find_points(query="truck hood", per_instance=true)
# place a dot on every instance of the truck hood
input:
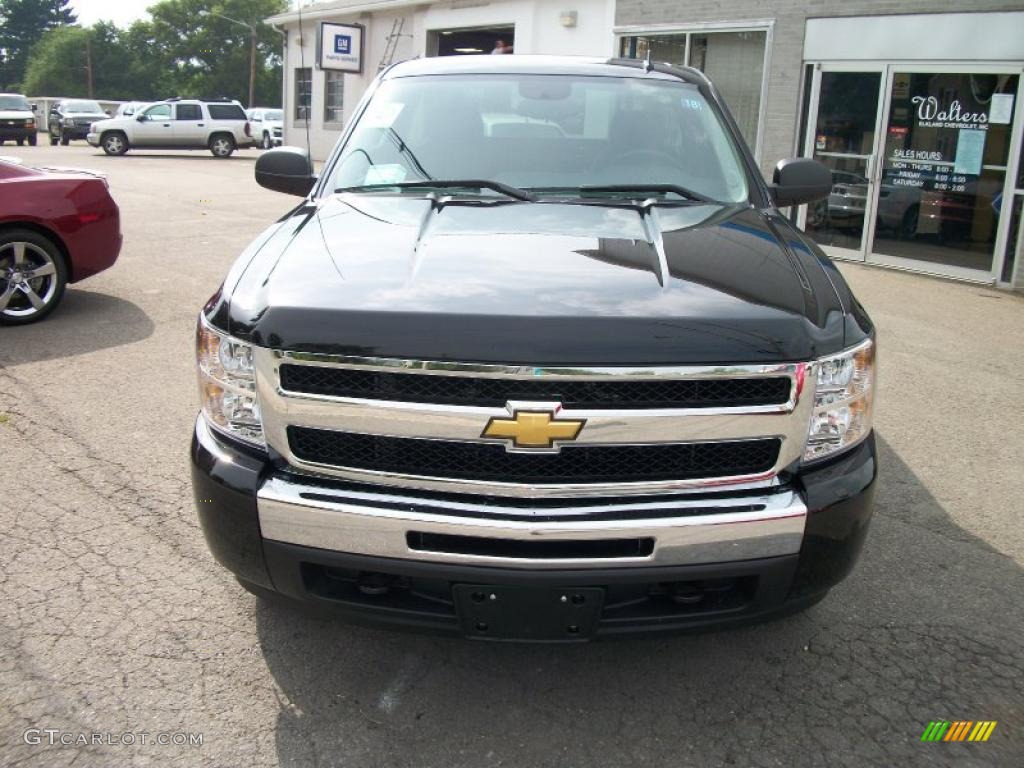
(111, 122)
(16, 114)
(533, 283)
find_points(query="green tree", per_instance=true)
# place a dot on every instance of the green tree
(22, 24)
(209, 55)
(122, 63)
(56, 65)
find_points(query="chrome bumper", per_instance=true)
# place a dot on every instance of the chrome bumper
(685, 531)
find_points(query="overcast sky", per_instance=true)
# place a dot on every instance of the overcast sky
(121, 12)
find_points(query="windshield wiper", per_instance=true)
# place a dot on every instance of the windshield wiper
(497, 186)
(683, 192)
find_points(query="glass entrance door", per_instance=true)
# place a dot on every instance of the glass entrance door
(943, 170)
(844, 115)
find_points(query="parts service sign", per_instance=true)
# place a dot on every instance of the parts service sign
(341, 47)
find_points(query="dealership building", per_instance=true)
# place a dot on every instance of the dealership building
(916, 111)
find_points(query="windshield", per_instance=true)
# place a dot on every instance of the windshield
(554, 133)
(83, 106)
(14, 102)
(272, 114)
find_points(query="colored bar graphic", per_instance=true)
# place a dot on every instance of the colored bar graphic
(958, 730)
(935, 730)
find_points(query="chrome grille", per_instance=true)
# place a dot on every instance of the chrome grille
(606, 393)
(475, 461)
(420, 424)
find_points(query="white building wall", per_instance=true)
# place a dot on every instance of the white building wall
(538, 30)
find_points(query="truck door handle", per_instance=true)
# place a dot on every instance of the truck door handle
(167, 125)
(199, 125)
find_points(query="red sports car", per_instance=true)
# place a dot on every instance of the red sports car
(56, 227)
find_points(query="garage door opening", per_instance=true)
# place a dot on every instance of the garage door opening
(467, 42)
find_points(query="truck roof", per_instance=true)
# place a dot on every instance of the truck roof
(546, 65)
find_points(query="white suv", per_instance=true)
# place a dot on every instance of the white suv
(267, 126)
(219, 126)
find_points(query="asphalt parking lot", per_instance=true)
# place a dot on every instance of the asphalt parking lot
(114, 618)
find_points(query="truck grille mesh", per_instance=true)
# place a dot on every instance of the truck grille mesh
(595, 394)
(574, 464)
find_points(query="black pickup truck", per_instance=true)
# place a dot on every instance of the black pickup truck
(537, 357)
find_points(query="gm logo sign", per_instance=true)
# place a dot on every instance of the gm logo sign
(343, 44)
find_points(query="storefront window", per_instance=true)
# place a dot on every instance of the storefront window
(733, 60)
(303, 92)
(844, 140)
(334, 92)
(944, 166)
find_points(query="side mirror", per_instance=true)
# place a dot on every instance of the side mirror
(800, 180)
(35, 107)
(286, 169)
(106, 112)
(141, 118)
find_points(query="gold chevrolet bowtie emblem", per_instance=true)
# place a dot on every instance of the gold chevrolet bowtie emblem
(533, 429)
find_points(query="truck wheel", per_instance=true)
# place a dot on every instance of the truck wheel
(64, 139)
(32, 276)
(114, 143)
(222, 145)
(53, 140)
(21, 142)
(32, 140)
(908, 225)
(267, 143)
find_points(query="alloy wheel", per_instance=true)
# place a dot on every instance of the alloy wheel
(28, 280)
(113, 144)
(221, 147)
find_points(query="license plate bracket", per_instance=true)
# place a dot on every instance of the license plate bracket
(547, 614)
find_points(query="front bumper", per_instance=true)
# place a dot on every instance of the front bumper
(76, 132)
(661, 563)
(11, 132)
(93, 139)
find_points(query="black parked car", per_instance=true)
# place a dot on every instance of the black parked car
(537, 357)
(72, 119)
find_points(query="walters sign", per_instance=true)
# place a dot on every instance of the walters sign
(931, 114)
(941, 124)
(341, 47)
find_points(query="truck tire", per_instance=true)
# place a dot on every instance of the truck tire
(26, 300)
(267, 142)
(53, 140)
(64, 139)
(32, 140)
(908, 224)
(114, 143)
(222, 145)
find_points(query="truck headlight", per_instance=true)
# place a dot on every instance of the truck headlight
(227, 385)
(843, 400)
(68, 122)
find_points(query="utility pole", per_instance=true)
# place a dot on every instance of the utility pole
(252, 68)
(88, 64)
(253, 40)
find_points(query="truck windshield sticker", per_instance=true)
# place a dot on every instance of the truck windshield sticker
(392, 173)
